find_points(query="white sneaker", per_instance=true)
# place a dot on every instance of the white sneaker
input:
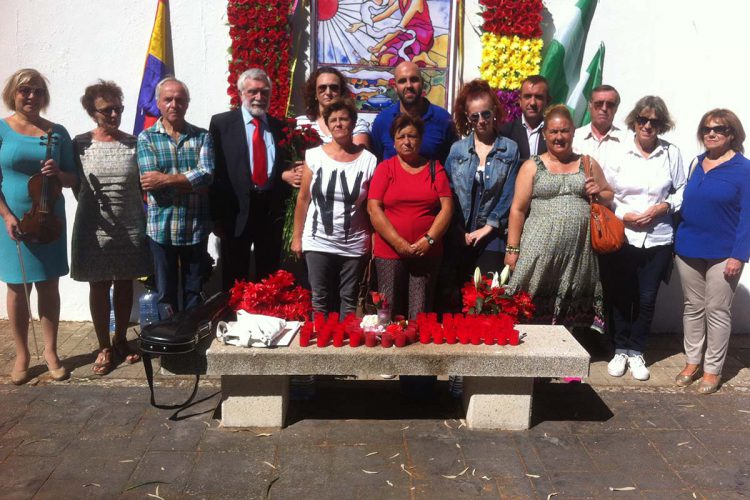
(617, 366)
(638, 367)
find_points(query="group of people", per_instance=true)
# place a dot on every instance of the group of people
(407, 194)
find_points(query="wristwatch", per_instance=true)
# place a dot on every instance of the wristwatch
(429, 239)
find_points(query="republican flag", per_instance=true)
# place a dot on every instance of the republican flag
(159, 63)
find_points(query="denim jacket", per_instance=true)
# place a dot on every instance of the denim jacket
(499, 181)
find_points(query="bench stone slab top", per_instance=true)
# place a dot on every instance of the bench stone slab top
(545, 351)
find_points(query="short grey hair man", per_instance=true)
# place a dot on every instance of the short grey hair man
(166, 80)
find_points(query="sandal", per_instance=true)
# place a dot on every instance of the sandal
(124, 352)
(103, 364)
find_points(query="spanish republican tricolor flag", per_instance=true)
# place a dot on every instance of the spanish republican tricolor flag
(159, 63)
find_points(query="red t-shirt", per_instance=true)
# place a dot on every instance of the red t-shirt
(410, 201)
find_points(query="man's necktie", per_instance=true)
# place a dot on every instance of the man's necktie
(260, 161)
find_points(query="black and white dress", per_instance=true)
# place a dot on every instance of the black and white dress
(109, 232)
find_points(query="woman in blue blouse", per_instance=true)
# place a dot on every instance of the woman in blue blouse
(21, 156)
(482, 169)
(712, 245)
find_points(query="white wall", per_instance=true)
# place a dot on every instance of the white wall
(686, 51)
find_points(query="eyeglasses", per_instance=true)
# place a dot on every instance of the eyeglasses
(26, 91)
(655, 122)
(264, 91)
(110, 109)
(718, 129)
(486, 115)
(603, 104)
(335, 88)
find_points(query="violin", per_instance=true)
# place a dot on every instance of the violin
(40, 224)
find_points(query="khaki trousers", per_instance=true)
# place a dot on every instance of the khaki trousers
(707, 319)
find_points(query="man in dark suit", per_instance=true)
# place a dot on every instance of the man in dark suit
(526, 131)
(251, 182)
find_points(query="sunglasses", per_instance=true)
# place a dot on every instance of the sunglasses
(718, 130)
(26, 91)
(110, 109)
(603, 104)
(486, 115)
(333, 87)
(655, 122)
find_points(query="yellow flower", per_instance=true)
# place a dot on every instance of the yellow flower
(507, 61)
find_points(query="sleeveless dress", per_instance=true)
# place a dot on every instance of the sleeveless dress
(109, 232)
(20, 158)
(557, 265)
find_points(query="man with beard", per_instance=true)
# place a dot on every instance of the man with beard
(526, 131)
(251, 183)
(176, 163)
(601, 139)
(439, 130)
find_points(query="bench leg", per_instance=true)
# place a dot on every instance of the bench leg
(254, 400)
(498, 402)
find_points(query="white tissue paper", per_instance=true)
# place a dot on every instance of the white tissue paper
(256, 330)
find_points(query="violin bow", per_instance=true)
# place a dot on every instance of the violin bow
(27, 296)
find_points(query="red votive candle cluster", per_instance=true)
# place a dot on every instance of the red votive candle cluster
(455, 328)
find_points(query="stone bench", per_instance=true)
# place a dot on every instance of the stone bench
(498, 380)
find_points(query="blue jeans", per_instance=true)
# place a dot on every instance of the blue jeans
(189, 261)
(632, 278)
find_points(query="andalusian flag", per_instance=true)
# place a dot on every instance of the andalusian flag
(579, 97)
(561, 64)
(159, 63)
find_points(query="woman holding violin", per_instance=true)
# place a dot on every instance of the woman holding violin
(36, 160)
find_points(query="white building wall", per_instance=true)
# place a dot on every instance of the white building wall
(687, 51)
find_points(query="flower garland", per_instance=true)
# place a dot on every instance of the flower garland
(276, 295)
(254, 27)
(511, 47)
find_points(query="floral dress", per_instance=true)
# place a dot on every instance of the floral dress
(557, 265)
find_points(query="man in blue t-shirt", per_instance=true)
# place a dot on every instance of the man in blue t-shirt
(439, 130)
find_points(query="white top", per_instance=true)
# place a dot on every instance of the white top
(640, 182)
(532, 135)
(361, 127)
(337, 220)
(605, 151)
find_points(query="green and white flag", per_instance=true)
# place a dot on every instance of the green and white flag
(579, 96)
(562, 60)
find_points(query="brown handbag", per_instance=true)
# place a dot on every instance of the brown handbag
(607, 231)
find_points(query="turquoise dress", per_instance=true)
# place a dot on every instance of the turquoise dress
(20, 158)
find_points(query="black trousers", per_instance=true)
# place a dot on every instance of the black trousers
(262, 233)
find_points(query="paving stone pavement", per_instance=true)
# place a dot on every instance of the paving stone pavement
(606, 438)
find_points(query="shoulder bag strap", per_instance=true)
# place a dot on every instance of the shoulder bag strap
(432, 171)
(587, 171)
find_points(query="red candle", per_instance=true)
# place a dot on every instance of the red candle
(514, 338)
(400, 340)
(489, 339)
(450, 336)
(424, 336)
(304, 339)
(338, 339)
(386, 340)
(502, 339)
(438, 337)
(355, 338)
(411, 335)
(475, 340)
(371, 339)
(322, 339)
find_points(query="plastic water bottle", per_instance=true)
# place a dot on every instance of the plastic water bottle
(148, 307)
(111, 310)
(302, 387)
(456, 386)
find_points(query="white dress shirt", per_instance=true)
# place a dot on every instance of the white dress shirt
(604, 151)
(640, 182)
(532, 134)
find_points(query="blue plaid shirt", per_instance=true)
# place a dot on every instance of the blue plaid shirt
(176, 217)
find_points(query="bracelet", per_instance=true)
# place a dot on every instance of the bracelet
(512, 249)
